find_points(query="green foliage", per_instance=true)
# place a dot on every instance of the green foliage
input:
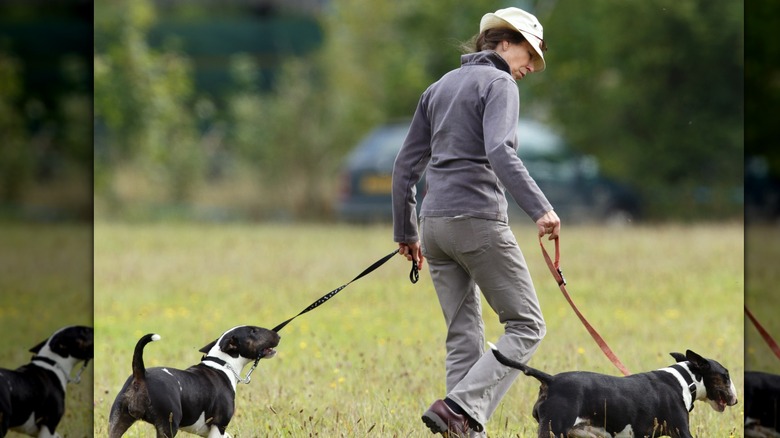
(75, 113)
(762, 50)
(45, 112)
(652, 82)
(321, 105)
(16, 158)
(630, 82)
(367, 71)
(144, 99)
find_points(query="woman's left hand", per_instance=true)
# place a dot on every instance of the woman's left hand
(550, 224)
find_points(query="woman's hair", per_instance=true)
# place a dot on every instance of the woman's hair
(490, 38)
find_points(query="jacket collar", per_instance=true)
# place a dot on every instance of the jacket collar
(485, 57)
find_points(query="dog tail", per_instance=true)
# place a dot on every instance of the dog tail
(528, 371)
(139, 371)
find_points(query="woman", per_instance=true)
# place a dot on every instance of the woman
(464, 133)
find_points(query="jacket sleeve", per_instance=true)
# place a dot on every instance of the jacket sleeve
(502, 110)
(410, 163)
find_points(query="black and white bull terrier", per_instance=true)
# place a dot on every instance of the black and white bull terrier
(200, 399)
(32, 397)
(656, 403)
(762, 405)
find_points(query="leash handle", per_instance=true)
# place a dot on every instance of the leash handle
(414, 274)
(764, 334)
(555, 269)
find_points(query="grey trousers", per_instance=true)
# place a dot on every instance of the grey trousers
(466, 255)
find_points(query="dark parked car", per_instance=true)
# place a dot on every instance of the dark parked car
(762, 191)
(571, 182)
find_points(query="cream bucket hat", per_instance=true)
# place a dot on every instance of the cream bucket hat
(523, 22)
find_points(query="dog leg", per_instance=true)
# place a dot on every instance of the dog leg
(119, 421)
(547, 431)
(46, 433)
(116, 430)
(215, 433)
(165, 432)
(167, 427)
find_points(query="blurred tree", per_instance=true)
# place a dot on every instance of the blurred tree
(762, 85)
(45, 90)
(665, 89)
(16, 157)
(654, 89)
(632, 82)
(143, 97)
(76, 133)
(368, 70)
(762, 81)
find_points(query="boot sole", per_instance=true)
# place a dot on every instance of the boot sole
(435, 423)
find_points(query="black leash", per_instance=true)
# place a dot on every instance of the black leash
(414, 275)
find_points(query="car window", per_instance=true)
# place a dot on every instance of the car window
(544, 153)
(379, 149)
(535, 140)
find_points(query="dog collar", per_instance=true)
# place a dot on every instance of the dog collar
(223, 363)
(59, 368)
(686, 374)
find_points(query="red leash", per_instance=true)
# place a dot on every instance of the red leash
(764, 334)
(556, 272)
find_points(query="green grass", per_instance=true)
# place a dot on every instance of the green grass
(371, 360)
(45, 284)
(761, 296)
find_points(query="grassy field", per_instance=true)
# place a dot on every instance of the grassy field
(370, 361)
(761, 297)
(45, 284)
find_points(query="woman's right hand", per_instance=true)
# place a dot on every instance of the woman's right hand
(412, 251)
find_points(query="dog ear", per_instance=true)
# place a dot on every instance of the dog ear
(230, 346)
(208, 346)
(679, 357)
(697, 360)
(38, 347)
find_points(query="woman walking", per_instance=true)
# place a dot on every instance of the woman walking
(464, 132)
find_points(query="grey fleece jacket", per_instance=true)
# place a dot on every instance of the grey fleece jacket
(464, 132)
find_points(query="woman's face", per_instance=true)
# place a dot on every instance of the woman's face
(519, 57)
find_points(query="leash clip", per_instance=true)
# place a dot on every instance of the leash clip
(248, 377)
(554, 266)
(414, 274)
(563, 279)
(77, 379)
